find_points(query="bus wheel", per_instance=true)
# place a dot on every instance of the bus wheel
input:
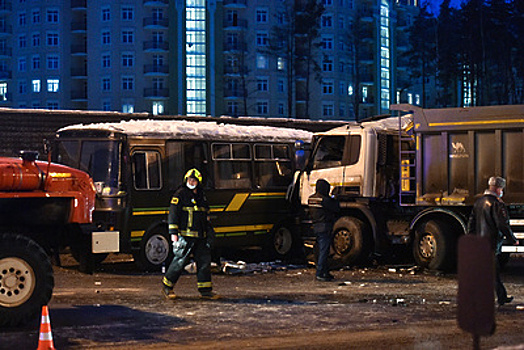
(282, 242)
(433, 245)
(155, 250)
(349, 241)
(26, 279)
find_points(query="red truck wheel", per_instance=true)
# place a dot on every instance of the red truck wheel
(26, 279)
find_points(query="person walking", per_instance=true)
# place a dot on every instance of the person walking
(323, 209)
(489, 218)
(191, 234)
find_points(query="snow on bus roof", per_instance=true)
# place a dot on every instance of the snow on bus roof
(197, 130)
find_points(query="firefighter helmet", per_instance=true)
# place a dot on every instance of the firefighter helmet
(194, 173)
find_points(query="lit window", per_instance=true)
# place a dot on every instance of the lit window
(281, 63)
(261, 62)
(53, 85)
(36, 85)
(128, 107)
(3, 91)
(158, 107)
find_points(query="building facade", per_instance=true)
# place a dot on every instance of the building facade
(205, 57)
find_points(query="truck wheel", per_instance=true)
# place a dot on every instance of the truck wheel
(350, 241)
(434, 245)
(282, 242)
(26, 279)
(156, 249)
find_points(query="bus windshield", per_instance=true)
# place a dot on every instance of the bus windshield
(101, 159)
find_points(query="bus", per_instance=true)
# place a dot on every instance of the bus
(136, 166)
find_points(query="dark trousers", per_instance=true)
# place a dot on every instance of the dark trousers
(500, 290)
(201, 251)
(324, 239)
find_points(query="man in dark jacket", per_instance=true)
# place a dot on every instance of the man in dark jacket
(489, 218)
(189, 229)
(323, 209)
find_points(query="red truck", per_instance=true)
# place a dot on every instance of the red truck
(43, 207)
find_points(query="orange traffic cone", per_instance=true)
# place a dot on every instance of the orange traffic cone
(45, 342)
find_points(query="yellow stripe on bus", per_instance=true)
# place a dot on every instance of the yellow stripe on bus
(237, 202)
(268, 194)
(266, 227)
(150, 212)
(137, 233)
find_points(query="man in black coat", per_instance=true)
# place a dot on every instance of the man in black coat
(323, 209)
(489, 218)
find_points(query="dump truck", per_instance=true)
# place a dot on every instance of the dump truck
(43, 208)
(410, 180)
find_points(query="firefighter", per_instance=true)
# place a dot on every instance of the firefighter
(191, 233)
(489, 218)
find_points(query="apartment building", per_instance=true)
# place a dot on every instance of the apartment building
(202, 57)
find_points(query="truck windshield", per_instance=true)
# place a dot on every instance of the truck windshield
(100, 159)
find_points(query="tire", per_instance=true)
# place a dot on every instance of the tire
(351, 242)
(282, 242)
(434, 245)
(156, 250)
(26, 279)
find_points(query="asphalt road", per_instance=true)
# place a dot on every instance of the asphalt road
(394, 307)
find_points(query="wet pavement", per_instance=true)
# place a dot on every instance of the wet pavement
(265, 306)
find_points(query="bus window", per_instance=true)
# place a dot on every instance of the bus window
(329, 152)
(146, 170)
(272, 166)
(185, 155)
(68, 153)
(232, 165)
(101, 159)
